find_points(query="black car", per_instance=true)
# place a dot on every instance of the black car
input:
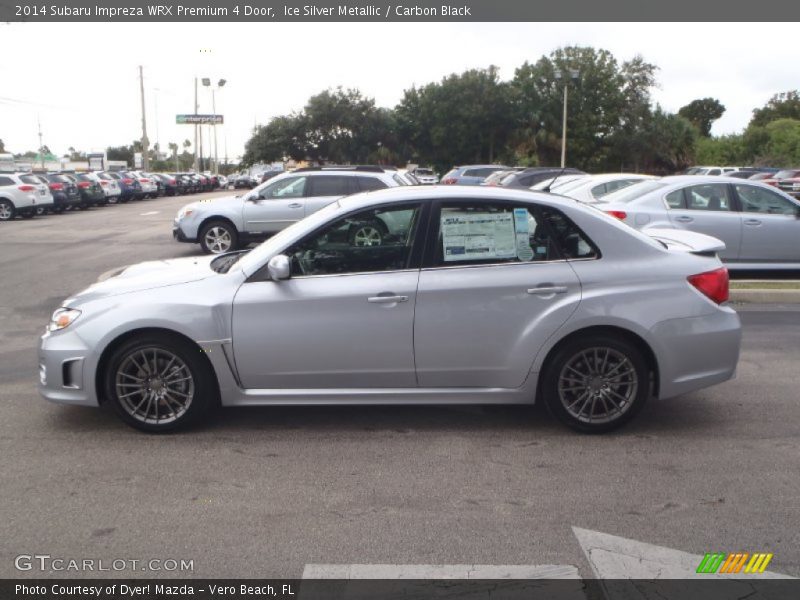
(129, 186)
(91, 191)
(533, 175)
(167, 184)
(65, 191)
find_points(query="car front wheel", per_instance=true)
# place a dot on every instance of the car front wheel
(159, 383)
(218, 237)
(596, 384)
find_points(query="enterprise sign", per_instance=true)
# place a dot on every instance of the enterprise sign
(198, 119)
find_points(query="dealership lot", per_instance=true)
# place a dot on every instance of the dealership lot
(266, 492)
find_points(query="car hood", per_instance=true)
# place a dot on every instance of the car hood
(145, 276)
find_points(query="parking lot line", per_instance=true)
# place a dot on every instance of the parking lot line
(151, 212)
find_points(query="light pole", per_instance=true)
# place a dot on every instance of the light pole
(559, 75)
(220, 84)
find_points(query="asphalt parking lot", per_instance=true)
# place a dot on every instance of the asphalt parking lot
(264, 492)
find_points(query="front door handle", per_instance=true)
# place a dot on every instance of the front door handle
(295, 205)
(684, 219)
(546, 290)
(387, 299)
(752, 222)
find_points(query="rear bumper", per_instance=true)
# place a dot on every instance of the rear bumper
(696, 352)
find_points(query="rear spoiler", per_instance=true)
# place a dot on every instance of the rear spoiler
(686, 241)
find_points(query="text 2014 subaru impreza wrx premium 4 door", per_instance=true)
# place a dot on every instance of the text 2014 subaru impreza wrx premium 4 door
(462, 295)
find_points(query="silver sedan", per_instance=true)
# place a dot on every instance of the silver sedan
(759, 224)
(407, 296)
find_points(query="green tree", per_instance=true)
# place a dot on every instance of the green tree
(785, 105)
(120, 153)
(608, 105)
(702, 113)
(783, 145)
(670, 143)
(722, 150)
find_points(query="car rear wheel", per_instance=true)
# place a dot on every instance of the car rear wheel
(596, 383)
(7, 210)
(218, 237)
(159, 383)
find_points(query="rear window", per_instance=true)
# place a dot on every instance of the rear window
(368, 184)
(60, 178)
(483, 172)
(30, 179)
(632, 192)
(399, 180)
(788, 173)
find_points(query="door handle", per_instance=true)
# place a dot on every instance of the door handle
(752, 222)
(295, 205)
(551, 289)
(387, 299)
(684, 219)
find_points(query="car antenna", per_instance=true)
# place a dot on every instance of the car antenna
(553, 180)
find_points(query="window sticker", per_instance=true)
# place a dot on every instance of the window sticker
(522, 230)
(478, 236)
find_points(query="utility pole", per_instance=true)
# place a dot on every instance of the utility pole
(214, 110)
(41, 146)
(194, 165)
(564, 130)
(145, 143)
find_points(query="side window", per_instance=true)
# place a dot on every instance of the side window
(377, 239)
(368, 184)
(291, 187)
(489, 233)
(675, 199)
(6, 181)
(714, 172)
(755, 199)
(570, 240)
(599, 190)
(710, 196)
(329, 185)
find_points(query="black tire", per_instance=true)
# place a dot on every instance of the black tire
(27, 214)
(596, 383)
(147, 407)
(367, 233)
(83, 206)
(7, 210)
(218, 230)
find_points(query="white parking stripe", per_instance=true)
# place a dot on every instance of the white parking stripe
(389, 571)
(147, 214)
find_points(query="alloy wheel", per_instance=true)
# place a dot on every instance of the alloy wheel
(6, 211)
(367, 236)
(218, 240)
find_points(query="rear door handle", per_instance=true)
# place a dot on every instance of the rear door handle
(752, 222)
(551, 289)
(684, 219)
(295, 205)
(387, 299)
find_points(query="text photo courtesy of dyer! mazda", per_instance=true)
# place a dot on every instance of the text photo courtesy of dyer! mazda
(411, 295)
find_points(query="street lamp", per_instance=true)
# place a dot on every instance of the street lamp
(220, 84)
(573, 74)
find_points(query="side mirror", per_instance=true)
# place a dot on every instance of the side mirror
(279, 267)
(252, 198)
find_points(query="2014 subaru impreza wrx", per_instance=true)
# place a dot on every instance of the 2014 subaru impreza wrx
(407, 296)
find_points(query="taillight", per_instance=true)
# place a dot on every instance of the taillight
(713, 284)
(172, 182)
(145, 180)
(83, 184)
(26, 188)
(619, 214)
(127, 181)
(57, 187)
(449, 181)
(103, 182)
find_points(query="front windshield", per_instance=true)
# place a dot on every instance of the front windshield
(632, 192)
(253, 260)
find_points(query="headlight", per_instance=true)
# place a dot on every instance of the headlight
(184, 212)
(63, 317)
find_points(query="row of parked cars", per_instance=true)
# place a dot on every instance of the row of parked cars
(29, 194)
(758, 221)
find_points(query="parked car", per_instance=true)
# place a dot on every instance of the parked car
(167, 183)
(470, 174)
(66, 194)
(109, 186)
(226, 224)
(780, 176)
(759, 225)
(533, 175)
(21, 194)
(425, 176)
(130, 188)
(594, 187)
(551, 184)
(148, 188)
(468, 296)
(91, 191)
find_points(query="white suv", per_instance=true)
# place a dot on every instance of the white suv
(225, 224)
(22, 194)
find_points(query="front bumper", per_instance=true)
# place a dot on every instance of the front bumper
(696, 352)
(66, 369)
(179, 235)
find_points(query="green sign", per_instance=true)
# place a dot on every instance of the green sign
(198, 119)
